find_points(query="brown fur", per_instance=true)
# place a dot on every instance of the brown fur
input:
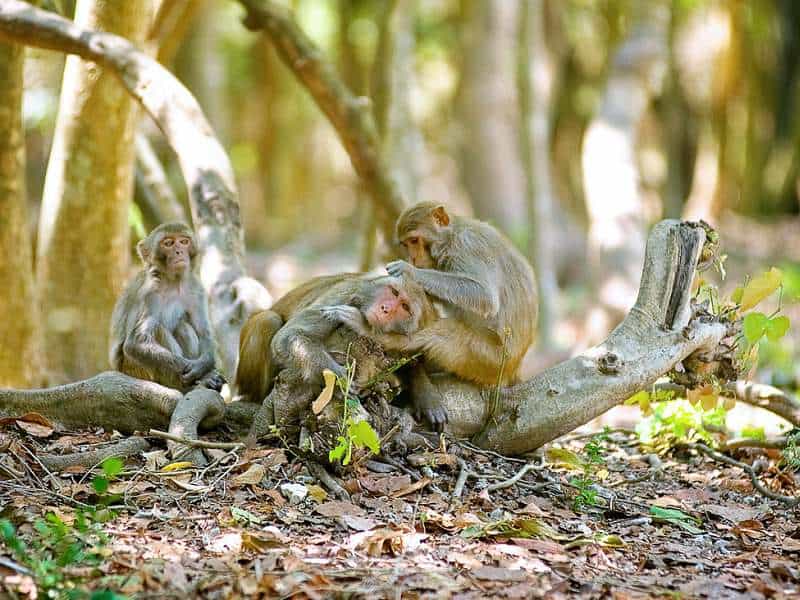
(485, 286)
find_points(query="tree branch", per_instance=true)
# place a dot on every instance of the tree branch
(350, 115)
(205, 165)
(655, 335)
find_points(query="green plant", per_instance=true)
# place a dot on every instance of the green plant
(587, 495)
(791, 453)
(56, 549)
(353, 434)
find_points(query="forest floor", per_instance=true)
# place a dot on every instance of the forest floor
(593, 517)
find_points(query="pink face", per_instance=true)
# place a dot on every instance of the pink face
(176, 250)
(392, 311)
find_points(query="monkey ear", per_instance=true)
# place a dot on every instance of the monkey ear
(440, 216)
(143, 251)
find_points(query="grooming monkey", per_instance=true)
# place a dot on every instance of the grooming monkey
(488, 293)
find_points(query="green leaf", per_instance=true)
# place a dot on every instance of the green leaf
(567, 459)
(100, 485)
(112, 466)
(337, 453)
(777, 327)
(363, 435)
(754, 325)
(754, 433)
(760, 287)
(637, 398)
(736, 295)
(675, 517)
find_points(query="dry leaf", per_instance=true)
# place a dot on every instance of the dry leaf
(326, 394)
(252, 476)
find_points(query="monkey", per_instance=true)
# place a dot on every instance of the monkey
(485, 287)
(388, 305)
(160, 327)
(255, 370)
(304, 346)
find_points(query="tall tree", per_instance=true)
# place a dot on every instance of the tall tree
(488, 113)
(19, 348)
(83, 231)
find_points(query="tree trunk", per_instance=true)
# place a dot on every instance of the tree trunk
(83, 229)
(535, 86)
(20, 358)
(489, 118)
(611, 180)
(206, 168)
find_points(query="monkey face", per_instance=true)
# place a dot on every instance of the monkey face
(392, 311)
(175, 252)
(418, 250)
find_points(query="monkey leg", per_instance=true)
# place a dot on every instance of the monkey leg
(473, 355)
(256, 370)
(426, 398)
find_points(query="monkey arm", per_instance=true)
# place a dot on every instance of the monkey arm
(299, 345)
(460, 290)
(141, 346)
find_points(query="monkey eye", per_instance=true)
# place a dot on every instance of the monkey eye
(413, 241)
(168, 242)
(406, 307)
(184, 241)
(394, 291)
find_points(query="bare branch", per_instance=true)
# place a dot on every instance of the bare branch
(351, 116)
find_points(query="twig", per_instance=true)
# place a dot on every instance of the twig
(92, 458)
(760, 487)
(511, 481)
(195, 443)
(768, 444)
(328, 480)
(463, 475)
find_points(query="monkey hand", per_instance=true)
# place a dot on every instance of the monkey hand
(431, 408)
(213, 380)
(346, 315)
(194, 369)
(400, 268)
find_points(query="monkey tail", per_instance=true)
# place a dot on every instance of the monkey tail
(255, 371)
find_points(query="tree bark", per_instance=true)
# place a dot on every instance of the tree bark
(20, 349)
(83, 226)
(489, 119)
(206, 168)
(656, 334)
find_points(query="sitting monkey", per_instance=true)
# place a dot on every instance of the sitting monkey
(160, 328)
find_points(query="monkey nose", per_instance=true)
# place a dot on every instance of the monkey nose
(384, 309)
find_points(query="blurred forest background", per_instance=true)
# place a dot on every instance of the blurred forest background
(572, 125)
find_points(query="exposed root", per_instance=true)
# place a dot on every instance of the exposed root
(92, 458)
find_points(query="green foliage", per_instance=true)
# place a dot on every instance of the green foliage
(358, 434)
(56, 546)
(352, 433)
(676, 517)
(678, 421)
(754, 433)
(791, 454)
(587, 495)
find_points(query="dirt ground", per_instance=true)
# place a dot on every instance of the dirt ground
(235, 529)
